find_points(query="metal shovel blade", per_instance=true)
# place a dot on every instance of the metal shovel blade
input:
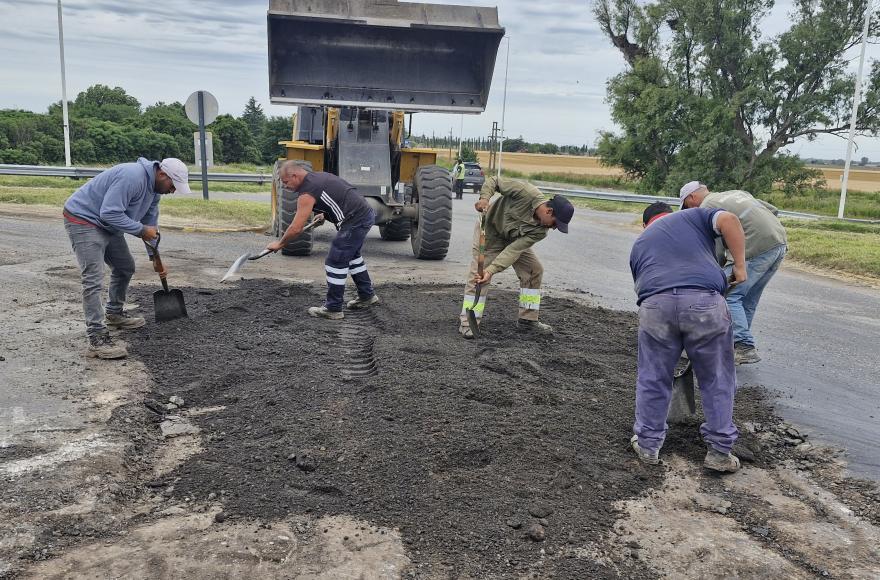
(169, 305)
(683, 403)
(236, 266)
(472, 316)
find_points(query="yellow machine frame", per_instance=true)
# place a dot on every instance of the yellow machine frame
(411, 158)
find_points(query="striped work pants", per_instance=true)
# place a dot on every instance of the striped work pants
(344, 259)
(528, 269)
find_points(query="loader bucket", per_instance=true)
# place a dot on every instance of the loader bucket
(382, 54)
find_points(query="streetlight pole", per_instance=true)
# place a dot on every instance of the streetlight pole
(503, 107)
(63, 90)
(460, 135)
(855, 110)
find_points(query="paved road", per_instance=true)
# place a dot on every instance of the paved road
(818, 336)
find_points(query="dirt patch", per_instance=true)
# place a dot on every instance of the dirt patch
(386, 446)
(504, 456)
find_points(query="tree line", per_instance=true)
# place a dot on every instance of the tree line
(109, 126)
(514, 145)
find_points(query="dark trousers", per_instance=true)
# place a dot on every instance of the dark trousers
(697, 321)
(344, 259)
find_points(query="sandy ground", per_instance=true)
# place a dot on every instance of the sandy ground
(91, 487)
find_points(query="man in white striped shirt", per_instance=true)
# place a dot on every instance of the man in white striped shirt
(342, 205)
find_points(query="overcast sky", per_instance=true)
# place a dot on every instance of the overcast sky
(163, 50)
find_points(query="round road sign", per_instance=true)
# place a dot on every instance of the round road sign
(192, 107)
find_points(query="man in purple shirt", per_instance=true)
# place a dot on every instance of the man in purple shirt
(680, 289)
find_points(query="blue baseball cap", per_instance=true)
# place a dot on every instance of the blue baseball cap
(562, 211)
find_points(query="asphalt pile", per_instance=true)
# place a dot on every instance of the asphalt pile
(501, 456)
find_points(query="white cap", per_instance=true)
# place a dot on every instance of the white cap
(178, 172)
(687, 189)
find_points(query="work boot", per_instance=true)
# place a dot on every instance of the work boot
(102, 346)
(465, 331)
(721, 462)
(533, 326)
(322, 312)
(361, 303)
(645, 456)
(744, 354)
(124, 321)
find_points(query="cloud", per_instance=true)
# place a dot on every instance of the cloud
(163, 50)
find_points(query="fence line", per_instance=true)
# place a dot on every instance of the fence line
(263, 178)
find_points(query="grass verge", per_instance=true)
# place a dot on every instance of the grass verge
(841, 246)
(242, 213)
(69, 184)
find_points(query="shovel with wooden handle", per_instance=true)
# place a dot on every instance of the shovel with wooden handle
(481, 258)
(244, 258)
(167, 304)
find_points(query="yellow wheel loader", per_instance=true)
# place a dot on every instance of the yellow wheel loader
(355, 69)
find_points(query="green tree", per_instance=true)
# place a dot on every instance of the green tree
(468, 153)
(254, 118)
(706, 96)
(278, 128)
(516, 144)
(238, 144)
(102, 102)
(170, 119)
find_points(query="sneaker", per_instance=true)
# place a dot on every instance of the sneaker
(465, 331)
(360, 303)
(124, 321)
(533, 326)
(744, 354)
(645, 456)
(721, 462)
(322, 312)
(102, 346)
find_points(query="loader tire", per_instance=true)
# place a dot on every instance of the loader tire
(302, 244)
(396, 231)
(432, 191)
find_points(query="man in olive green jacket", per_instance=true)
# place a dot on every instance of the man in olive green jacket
(517, 216)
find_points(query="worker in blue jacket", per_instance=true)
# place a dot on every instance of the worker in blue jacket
(121, 200)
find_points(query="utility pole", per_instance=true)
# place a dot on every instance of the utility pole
(460, 135)
(65, 119)
(450, 144)
(503, 106)
(855, 111)
(493, 147)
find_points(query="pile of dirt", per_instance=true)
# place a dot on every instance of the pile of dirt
(493, 457)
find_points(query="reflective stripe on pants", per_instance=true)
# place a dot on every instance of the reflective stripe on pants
(528, 269)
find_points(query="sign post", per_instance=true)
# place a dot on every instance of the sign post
(201, 108)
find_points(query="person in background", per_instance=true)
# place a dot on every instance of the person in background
(766, 245)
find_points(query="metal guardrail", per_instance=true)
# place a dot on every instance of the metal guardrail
(262, 178)
(649, 199)
(85, 172)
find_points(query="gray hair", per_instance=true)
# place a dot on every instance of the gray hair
(288, 167)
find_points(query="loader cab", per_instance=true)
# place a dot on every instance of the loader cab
(355, 69)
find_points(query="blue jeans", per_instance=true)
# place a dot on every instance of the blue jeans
(344, 259)
(698, 322)
(743, 300)
(95, 247)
